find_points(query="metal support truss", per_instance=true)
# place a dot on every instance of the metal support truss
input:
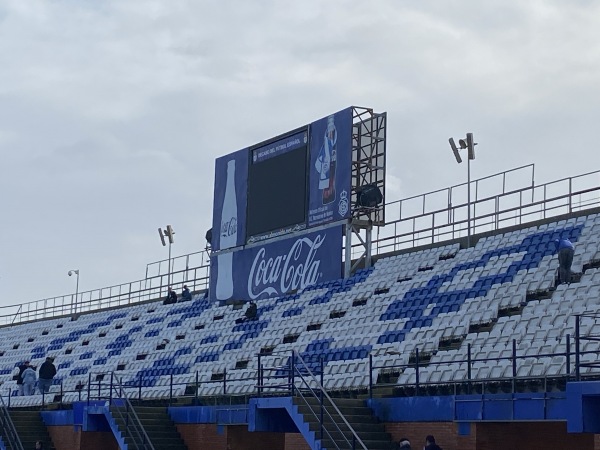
(368, 169)
(354, 228)
(368, 160)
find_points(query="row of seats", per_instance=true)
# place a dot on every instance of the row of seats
(418, 299)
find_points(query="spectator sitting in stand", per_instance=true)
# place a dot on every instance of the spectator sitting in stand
(162, 344)
(430, 443)
(404, 444)
(250, 313)
(186, 295)
(171, 297)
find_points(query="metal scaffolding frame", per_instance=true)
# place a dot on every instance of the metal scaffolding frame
(368, 169)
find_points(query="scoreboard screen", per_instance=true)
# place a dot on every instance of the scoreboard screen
(276, 192)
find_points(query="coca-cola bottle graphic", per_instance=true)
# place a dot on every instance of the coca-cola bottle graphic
(228, 236)
(330, 142)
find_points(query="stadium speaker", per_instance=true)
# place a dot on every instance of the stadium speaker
(369, 196)
(169, 233)
(470, 146)
(162, 236)
(455, 150)
(209, 236)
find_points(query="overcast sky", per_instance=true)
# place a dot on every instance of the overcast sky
(113, 112)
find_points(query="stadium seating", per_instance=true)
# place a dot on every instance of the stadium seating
(441, 301)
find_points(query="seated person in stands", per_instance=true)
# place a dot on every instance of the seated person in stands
(186, 295)
(250, 313)
(565, 259)
(171, 297)
(162, 344)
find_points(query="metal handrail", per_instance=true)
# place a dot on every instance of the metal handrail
(130, 411)
(97, 299)
(9, 427)
(323, 392)
(143, 290)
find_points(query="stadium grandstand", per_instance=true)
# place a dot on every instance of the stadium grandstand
(457, 328)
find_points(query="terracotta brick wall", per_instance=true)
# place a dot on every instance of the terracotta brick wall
(95, 440)
(531, 436)
(202, 437)
(496, 436)
(65, 438)
(239, 438)
(295, 441)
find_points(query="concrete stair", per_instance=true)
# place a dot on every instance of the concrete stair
(359, 416)
(158, 425)
(30, 428)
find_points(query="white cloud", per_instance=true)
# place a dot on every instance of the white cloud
(112, 113)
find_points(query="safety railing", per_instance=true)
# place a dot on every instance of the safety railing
(447, 221)
(126, 414)
(304, 385)
(152, 288)
(9, 432)
(436, 220)
(591, 320)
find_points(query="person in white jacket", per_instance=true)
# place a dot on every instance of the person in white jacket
(29, 379)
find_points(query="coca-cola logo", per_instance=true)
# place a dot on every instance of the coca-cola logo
(229, 227)
(295, 270)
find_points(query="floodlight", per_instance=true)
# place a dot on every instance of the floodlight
(369, 196)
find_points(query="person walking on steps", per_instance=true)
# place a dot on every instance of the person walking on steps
(29, 379)
(566, 249)
(47, 372)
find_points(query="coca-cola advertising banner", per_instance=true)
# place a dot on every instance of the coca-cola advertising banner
(230, 196)
(277, 267)
(330, 168)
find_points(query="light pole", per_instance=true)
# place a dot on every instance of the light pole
(168, 233)
(468, 144)
(74, 305)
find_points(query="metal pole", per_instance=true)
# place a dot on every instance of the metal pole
(468, 201)
(348, 250)
(321, 419)
(371, 376)
(292, 369)
(259, 376)
(469, 368)
(169, 273)
(196, 395)
(568, 356)
(577, 349)
(76, 291)
(417, 372)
